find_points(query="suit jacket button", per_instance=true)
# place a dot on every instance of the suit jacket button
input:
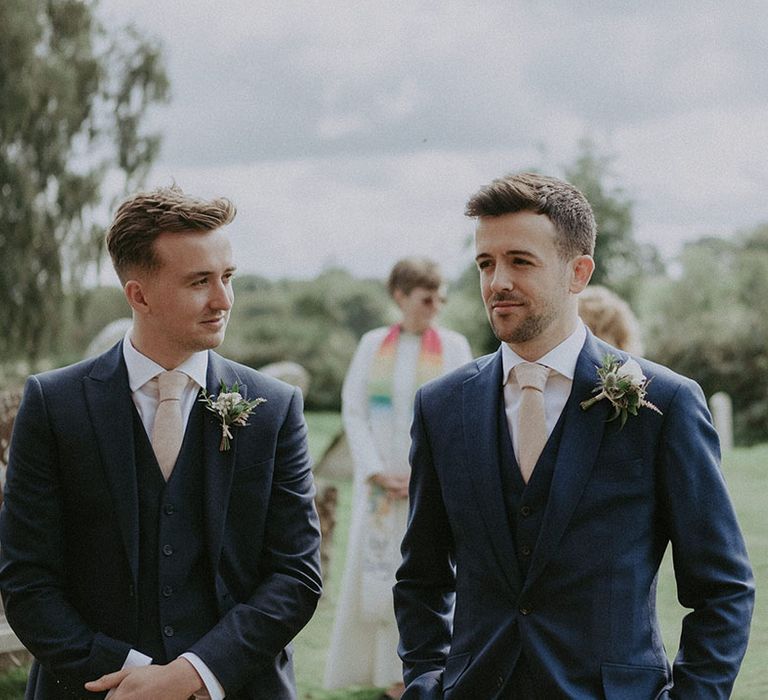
(525, 611)
(525, 511)
(167, 550)
(167, 591)
(525, 550)
(169, 509)
(499, 682)
(168, 631)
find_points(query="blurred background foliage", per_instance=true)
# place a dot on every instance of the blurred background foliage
(74, 100)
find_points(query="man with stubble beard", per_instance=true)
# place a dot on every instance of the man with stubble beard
(537, 524)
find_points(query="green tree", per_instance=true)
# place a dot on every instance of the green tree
(316, 323)
(73, 97)
(621, 262)
(711, 323)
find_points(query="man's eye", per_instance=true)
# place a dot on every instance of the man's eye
(521, 261)
(483, 264)
(201, 282)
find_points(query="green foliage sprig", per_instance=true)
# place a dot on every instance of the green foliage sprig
(624, 385)
(231, 409)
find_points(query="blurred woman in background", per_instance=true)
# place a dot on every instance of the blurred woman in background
(609, 317)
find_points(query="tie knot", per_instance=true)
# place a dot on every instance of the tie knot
(530, 374)
(171, 385)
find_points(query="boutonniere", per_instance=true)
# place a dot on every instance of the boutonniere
(231, 409)
(623, 385)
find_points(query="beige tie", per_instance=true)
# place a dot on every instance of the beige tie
(533, 425)
(168, 430)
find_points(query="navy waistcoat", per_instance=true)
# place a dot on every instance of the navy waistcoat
(526, 504)
(175, 592)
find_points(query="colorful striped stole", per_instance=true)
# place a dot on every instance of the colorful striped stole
(381, 376)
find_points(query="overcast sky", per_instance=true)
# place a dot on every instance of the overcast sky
(352, 133)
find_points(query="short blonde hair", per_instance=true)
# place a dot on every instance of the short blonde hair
(610, 318)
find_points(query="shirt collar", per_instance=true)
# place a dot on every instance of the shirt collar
(562, 358)
(142, 369)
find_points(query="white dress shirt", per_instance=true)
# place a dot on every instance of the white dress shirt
(561, 361)
(142, 379)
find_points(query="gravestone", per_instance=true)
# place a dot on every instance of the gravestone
(722, 415)
(336, 462)
(290, 372)
(108, 336)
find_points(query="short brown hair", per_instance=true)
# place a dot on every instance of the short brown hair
(409, 273)
(566, 207)
(141, 218)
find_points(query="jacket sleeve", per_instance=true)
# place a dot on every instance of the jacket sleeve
(425, 590)
(32, 565)
(713, 574)
(254, 632)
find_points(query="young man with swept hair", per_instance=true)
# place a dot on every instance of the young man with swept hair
(143, 554)
(537, 523)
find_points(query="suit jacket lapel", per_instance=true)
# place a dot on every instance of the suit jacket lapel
(481, 405)
(110, 406)
(219, 465)
(577, 452)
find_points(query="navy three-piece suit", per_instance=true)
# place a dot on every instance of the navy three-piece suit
(554, 581)
(101, 555)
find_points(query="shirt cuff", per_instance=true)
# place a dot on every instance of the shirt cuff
(134, 659)
(213, 689)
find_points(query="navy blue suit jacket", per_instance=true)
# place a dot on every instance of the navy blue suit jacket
(70, 533)
(584, 617)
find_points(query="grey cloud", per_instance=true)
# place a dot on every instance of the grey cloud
(315, 80)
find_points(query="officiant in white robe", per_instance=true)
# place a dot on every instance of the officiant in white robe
(389, 364)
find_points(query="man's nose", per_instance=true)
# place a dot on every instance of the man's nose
(222, 296)
(502, 279)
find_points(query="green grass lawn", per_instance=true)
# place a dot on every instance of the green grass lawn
(746, 471)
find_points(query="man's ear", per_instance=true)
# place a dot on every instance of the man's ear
(134, 293)
(582, 268)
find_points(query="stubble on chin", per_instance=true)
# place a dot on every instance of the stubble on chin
(529, 328)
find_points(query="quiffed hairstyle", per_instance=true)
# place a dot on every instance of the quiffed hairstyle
(140, 219)
(409, 273)
(566, 207)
